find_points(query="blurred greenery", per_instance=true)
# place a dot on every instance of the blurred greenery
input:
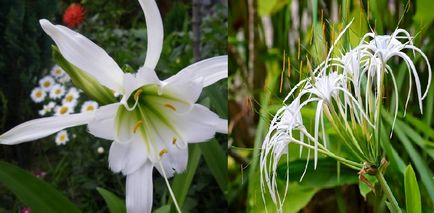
(272, 46)
(76, 170)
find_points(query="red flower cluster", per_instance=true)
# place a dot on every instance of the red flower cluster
(74, 15)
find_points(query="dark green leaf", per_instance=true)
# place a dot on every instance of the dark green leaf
(114, 203)
(216, 160)
(325, 175)
(412, 194)
(38, 195)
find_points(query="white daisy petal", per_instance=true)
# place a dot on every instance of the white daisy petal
(86, 55)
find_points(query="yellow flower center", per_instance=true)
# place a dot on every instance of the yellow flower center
(90, 108)
(46, 84)
(62, 138)
(58, 91)
(58, 71)
(69, 98)
(63, 110)
(38, 94)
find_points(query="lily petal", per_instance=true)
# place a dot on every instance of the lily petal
(127, 158)
(42, 127)
(139, 190)
(86, 55)
(155, 32)
(208, 71)
(103, 124)
(198, 125)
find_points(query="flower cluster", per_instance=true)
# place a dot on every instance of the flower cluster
(349, 92)
(59, 97)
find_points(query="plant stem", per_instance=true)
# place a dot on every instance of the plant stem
(388, 192)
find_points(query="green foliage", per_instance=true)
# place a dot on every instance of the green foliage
(412, 195)
(114, 203)
(38, 195)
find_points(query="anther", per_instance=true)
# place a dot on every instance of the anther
(170, 106)
(137, 125)
(136, 95)
(174, 141)
(163, 151)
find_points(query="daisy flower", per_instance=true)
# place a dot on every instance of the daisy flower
(62, 137)
(38, 95)
(89, 106)
(57, 72)
(57, 91)
(46, 83)
(71, 97)
(63, 110)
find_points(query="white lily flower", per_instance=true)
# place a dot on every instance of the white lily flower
(155, 120)
(286, 120)
(384, 47)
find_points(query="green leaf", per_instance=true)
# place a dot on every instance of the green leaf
(412, 194)
(216, 160)
(325, 175)
(90, 86)
(420, 164)
(163, 209)
(268, 7)
(181, 183)
(424, 14)
(33, 192)
(114, 203)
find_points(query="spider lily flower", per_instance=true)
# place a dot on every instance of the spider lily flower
(286, 120)
(154, 121)
(383, 47)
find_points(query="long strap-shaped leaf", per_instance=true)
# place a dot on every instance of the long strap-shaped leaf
(37, 194)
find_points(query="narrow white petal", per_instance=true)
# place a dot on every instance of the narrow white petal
(155, 32)
(42, 127)
(139, 190)
(208, 71)
(103, 126)
(86, 55)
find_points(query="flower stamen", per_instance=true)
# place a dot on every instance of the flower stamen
(136, 94)
(137, 125)
(170, 106)
(173, 140)
(163, 151)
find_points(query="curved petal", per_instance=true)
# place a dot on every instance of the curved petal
(208, 71)
(103, 126)
(155, 33)
(86, 55)
(174, 162)
(180, 94)
(139, 190)
(129, 157)
(42, 127)
(198, 125)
